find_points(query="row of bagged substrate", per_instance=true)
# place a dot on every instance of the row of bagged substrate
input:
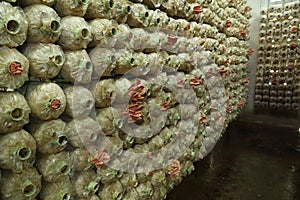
(115, 99)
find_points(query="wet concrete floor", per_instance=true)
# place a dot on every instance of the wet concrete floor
(252, 161)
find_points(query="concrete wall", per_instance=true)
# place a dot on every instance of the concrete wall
(257, 6)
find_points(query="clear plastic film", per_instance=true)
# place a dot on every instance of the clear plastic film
(83, 132)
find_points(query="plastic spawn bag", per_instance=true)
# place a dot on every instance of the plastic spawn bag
(85, 184)
(46, 60)
(114, 190)
(14, 68)
(14, 112)
(139, 16)
(60, 190)
(83, 132)
(24, 185)
(44, 24)
(103, 60)
(104, 92)
(120, 11)
(107, 121)
(50, 136)
(76, 33)
(80, 102)
(72, 7)
(80, 159)
(99, 9)
(17, 151)
(77, 68)
(13, 25)
(54, 167)
(24, 3)
(102, 30)
(47, 100)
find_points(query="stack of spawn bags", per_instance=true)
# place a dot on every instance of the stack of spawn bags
(61, 59)
(278, 70)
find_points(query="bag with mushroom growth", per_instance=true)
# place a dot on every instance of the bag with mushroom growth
(14, 68)
(47, 100)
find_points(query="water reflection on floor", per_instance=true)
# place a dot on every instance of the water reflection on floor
(252, 161)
